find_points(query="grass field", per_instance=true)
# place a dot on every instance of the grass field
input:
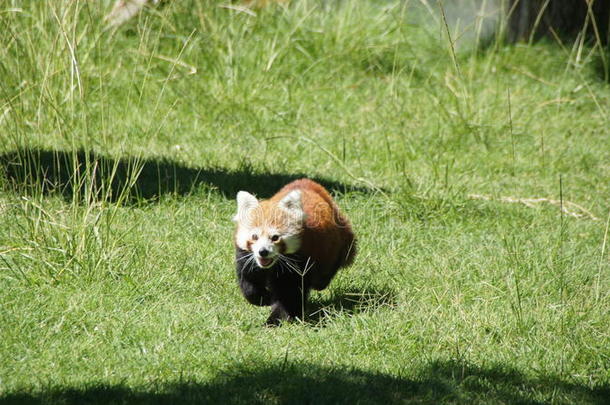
(121, 153)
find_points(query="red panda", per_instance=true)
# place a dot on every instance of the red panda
(289, 244)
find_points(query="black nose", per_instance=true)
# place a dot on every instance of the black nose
(263, 252)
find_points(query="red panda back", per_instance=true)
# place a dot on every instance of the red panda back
(327, 236)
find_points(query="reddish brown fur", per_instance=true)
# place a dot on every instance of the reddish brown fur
(327, 235)
(268, 215)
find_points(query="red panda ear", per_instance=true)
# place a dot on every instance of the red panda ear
(291, 203)
(245, 203)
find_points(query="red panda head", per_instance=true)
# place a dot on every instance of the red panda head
(267, 228)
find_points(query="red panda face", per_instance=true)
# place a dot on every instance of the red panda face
(268, 230)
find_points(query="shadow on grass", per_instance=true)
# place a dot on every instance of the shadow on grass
(350, 302)
(89, 175)
(601, 65)
(441, 382)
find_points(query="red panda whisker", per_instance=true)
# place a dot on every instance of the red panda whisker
(291, 260)
(249, 259)
(288, 259)
(283, 265)
(291, 266)
(249, 264)
(248, 256)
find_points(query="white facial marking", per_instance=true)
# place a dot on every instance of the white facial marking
(264, 243)
(243, 235)
(291, 203)
(292, 242)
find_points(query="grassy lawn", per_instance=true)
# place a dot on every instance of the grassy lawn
(121, 153)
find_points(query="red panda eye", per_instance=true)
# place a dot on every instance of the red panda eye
(254, 236)
(275, 238)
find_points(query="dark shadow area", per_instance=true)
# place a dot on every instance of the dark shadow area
(86, 175)
(563, 20)
(601, 65)
(441, 382)
(566, 19)
(350, 301)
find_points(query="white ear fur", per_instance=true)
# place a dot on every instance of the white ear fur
(291, 203)
(245, 203)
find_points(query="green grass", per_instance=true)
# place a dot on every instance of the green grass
(122, 151)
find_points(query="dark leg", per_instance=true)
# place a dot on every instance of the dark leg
(289, 294)
(255, 293)
(252, 281)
